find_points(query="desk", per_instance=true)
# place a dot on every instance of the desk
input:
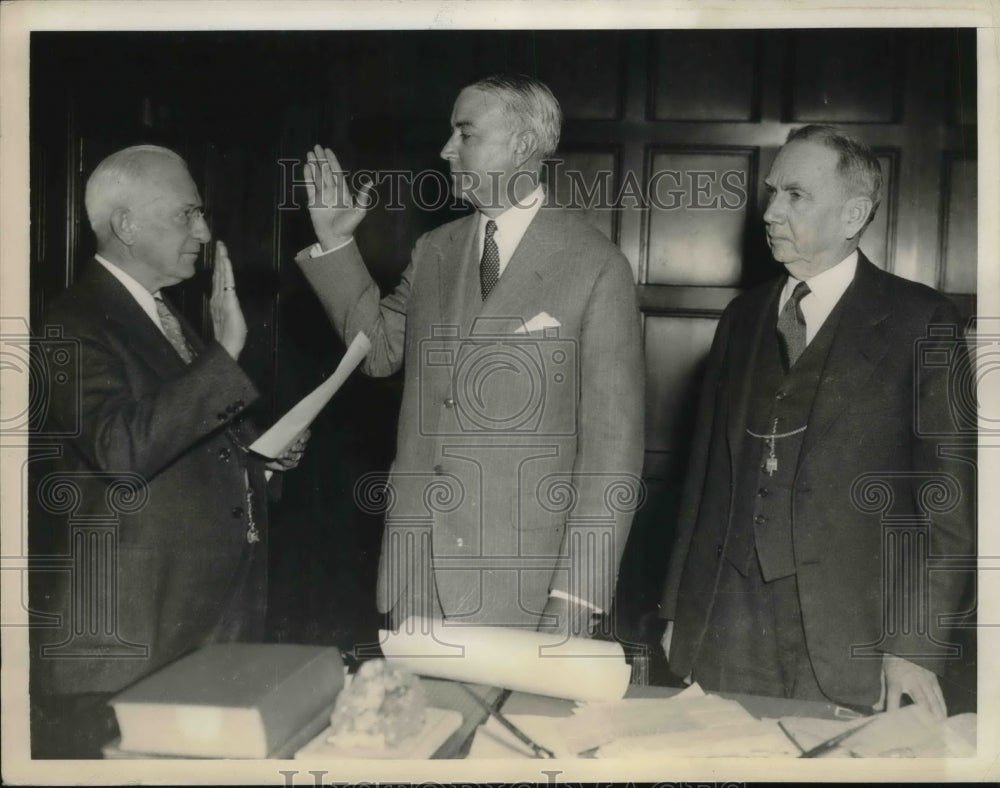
(758, 705)
(445, 694)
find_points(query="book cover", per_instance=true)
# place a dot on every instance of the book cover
(231, 700)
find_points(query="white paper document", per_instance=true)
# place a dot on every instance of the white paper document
(600, 724)
(286, 429)
(909, 732)
(517, 659)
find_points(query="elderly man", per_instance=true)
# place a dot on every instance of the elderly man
(158, 451)
(520, 435)
(788, 577)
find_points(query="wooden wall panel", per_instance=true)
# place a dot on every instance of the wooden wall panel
(698, 220)
(583, 68)
(959, 232)
(676, 348)
(704, 75)
(844, 76)
(587, 180)
(877, 240)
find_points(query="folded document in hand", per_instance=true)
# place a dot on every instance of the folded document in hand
(273, 442)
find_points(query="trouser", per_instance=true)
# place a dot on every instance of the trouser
(71, 726)
(755, 642)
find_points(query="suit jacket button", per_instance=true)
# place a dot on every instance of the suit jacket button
(718, 551)
(449, 403)
(762, 492)
(759, 519)
(224, 453)
(237, 511)
(439, 469)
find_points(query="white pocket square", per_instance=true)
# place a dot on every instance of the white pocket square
(539, 322)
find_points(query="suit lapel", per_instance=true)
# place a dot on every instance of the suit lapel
(134, 325)
(858, 348)
(455, 271)
(747, 335)
(527, 268)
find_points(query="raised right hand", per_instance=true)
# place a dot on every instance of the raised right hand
(227, 318)
(334, 213)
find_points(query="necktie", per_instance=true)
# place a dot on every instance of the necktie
(489, 266)
(172, 330)
(792, 325)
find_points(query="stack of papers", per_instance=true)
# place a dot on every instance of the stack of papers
(910, 732)
(693, 724)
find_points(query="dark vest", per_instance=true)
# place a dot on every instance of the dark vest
(779, 403)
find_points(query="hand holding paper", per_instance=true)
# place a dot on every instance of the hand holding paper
(293, 424)
(292, 456)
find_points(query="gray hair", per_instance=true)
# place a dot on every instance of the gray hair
(857, 165)
(111, 183)
(530, 104)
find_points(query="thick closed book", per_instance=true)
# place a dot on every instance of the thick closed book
(230, 700)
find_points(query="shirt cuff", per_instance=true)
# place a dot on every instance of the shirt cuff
(316, 250)
(557, 594)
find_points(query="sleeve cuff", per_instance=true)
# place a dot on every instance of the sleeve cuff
(556, 593)
(316, 250)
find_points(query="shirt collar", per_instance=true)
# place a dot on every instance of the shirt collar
(143, 297)
(827, 286)
(513, 223)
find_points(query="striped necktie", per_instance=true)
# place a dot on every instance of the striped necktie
(792, 325)
(172, 330)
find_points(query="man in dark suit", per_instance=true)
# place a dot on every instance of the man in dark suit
(519, 443)
(800, 566)
(153, 496)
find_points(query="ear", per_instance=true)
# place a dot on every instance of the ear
(856, 211)
(525, 146)
(123, 225)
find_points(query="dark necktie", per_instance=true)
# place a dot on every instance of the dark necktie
(172, 330)
(489, 266)
(792, 325)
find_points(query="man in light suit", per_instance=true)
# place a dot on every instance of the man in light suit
(800, 567)
(520, 435)
(152, 492)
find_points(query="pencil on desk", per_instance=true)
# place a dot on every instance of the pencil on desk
(832, 743)
(537, 749)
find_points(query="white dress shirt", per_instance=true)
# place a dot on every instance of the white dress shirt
(511, 226)
(825, 290)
